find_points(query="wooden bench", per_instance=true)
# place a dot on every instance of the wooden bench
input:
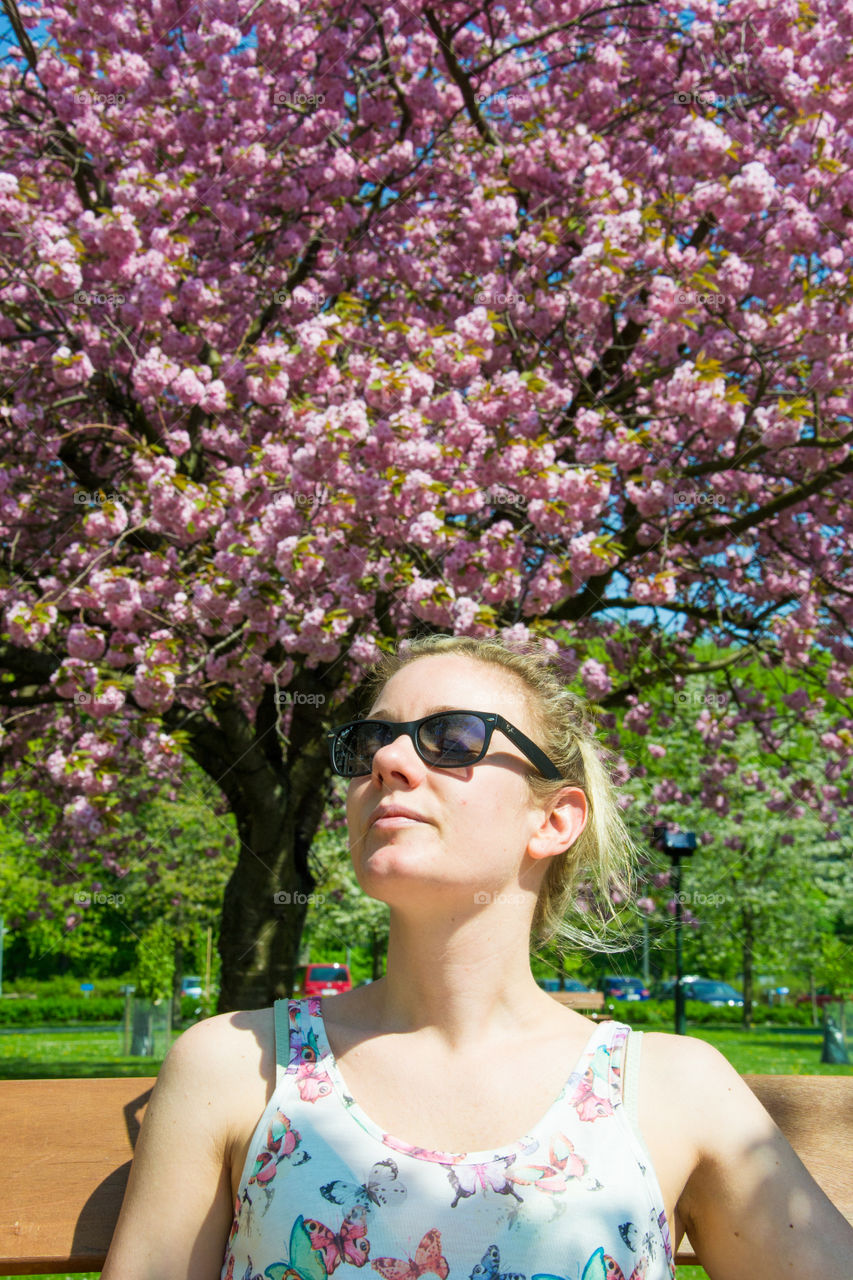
(591, 1002)
(67, 1147)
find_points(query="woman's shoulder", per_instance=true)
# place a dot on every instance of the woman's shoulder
(688, 1086)
(672, 1058)
(227, 1050)
(235, 1031)
(228, 1062)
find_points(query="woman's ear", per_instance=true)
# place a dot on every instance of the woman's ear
(562, 822)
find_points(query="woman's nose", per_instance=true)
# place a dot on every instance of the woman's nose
(397, 756)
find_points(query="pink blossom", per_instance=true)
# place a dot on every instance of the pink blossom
(106, 701)
(596, 678)
(85, 642)
(188, 388)
(71, 368)
(153, 688)
(106, 520)
(28, 624)
(753, 187)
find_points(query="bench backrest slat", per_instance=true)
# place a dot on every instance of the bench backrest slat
(579, 999)
(67, 1147)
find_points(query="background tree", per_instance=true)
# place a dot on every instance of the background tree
(155, 971)
(322, 325)
(340, 915)
(772, 876)
(67, 911)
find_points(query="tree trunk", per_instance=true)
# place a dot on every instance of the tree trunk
(142, 1044)
(177, 981)
(813, 996)
(377, 957)
(264, 908)
(748, 943)
(278, 801)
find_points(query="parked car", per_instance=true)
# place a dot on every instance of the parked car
(569, 984)
(326, 979)
(706, 990)
(717, 993)
(822, 997)
(620, 987)
(191, 986)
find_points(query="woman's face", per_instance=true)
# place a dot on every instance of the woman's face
(474, 823)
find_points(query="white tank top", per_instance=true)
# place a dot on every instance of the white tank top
(324, 1190)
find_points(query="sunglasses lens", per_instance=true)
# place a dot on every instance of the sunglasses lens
(452, 738)
(356, 746)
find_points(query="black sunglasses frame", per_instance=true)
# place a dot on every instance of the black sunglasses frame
(491, 721)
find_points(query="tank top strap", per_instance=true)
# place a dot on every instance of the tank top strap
(602, 1063)
(631, 1078)
(617, 1042)
(281, 1013)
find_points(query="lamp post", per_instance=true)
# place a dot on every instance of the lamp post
(678, 845)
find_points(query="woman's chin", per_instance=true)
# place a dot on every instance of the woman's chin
(382, 871)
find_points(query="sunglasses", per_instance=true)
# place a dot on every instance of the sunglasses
(445, 740)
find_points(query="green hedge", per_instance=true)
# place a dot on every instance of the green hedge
(56, 1009)
(60, 1009)
(642, 1012)
(66, 985)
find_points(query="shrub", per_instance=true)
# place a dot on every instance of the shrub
(60, 1009)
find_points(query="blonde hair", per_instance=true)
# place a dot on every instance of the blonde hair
(600, 863)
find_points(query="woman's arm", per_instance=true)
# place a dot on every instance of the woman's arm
(750, 1207)
(177, 1210)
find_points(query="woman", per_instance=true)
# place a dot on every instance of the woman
(451, 1118)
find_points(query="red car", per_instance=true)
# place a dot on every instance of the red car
(326, 979)
(821, 998)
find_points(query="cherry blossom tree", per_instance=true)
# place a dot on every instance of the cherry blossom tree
(325, 323)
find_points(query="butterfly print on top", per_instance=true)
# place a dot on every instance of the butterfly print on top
(575, 1198)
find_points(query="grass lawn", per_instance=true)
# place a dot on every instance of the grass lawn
(60, 1053)
(771, 1051)
(54, 1053)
